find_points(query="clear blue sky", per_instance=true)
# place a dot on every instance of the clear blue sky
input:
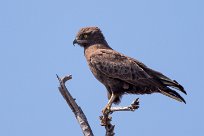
(36, 43)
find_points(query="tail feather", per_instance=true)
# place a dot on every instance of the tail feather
(173, 94)
(173, 84)
(165, 80)
(168, 82)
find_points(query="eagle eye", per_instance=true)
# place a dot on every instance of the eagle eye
(85, 36)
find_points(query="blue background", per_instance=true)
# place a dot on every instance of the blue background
(36, 43)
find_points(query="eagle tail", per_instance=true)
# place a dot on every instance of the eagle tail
(173, 94)
(166, 81)
(173, 84)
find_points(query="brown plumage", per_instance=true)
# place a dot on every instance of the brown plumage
(121, 74)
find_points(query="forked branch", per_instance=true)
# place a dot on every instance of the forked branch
(106, 118)
(80, 116)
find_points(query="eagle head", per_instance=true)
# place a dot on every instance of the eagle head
(88, 36)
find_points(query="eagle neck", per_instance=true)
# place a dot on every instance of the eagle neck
(89, 50)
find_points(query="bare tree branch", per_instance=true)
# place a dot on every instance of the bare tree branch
(80, 116)
(106, 122)
(134, 105)
(106, 118)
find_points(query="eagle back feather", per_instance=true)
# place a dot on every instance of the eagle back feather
(116, 65)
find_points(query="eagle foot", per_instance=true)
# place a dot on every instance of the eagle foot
(105, 120)
(106, 110)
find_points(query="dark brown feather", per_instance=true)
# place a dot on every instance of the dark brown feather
(121, 74)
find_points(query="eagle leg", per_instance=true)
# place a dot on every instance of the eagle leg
(107, 108)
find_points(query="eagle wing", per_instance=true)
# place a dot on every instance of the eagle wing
(117, 65)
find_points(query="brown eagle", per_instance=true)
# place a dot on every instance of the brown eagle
(121, 74)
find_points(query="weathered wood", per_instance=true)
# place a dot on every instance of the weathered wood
(80, 116)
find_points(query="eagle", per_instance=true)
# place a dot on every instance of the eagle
(121, 74)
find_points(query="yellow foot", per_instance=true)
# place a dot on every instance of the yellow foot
(106, 110)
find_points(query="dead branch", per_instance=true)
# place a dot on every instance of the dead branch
(106, 122)
(134, 105)
(106, 118)
(80, 116)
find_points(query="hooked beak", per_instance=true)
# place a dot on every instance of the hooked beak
(80, 42)
(75, 41)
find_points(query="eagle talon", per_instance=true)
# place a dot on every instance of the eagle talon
(106, 110)
(105, 120)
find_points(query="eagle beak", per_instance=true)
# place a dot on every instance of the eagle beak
(74, 42)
